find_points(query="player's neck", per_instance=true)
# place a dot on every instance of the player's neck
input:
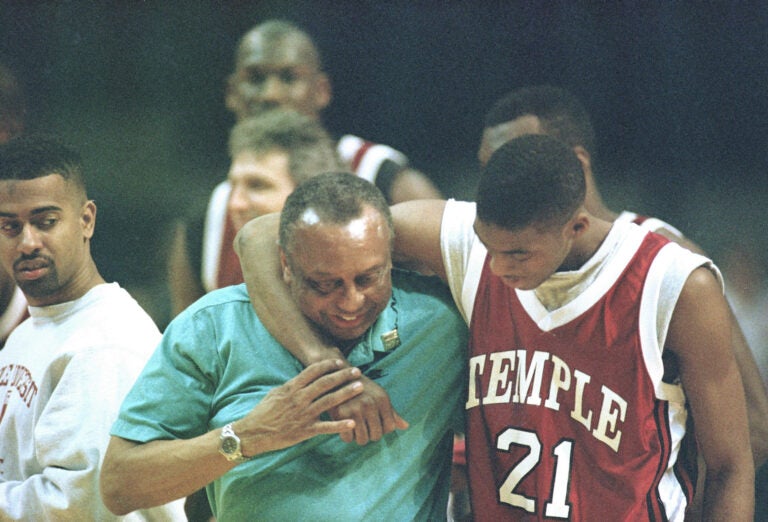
(585, 246)
(594, 201)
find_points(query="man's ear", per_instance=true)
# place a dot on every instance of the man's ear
(584, 158)
(232, 100)
(322, 91)
(88, 218)
(284, 268)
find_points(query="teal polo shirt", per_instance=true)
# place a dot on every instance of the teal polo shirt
(216, 361)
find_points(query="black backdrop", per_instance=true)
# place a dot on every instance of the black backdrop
(677, 92)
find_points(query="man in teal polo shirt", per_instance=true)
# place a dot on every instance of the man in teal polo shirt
(217, 366)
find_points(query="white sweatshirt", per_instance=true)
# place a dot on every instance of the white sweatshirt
(63, 374)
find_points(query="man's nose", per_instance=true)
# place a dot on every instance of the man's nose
(273, 89)
(351, 299)
(499, 266)
(237, 199)
(30, 239)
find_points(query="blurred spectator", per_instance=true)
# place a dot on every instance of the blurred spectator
(271, 153)
(64, 371)
(278, 65)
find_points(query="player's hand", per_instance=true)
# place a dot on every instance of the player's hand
(290, 413)
(372, 412)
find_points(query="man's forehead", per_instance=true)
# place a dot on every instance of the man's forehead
(286, 50)
(29, 205)
(315, 236)
(358, 228)
(52, 186)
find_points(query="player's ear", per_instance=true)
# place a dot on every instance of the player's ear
(584, 157)
(578, 225)
(285, 270)
(232, 98)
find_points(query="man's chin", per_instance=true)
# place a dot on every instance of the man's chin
(38, 288)
(344, 338)
(348, 336)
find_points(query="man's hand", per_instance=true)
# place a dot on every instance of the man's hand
(290, 413)
(372, 412)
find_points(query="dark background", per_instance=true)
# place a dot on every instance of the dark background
(677, 92)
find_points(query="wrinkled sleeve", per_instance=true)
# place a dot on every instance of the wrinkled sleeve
(172, 397)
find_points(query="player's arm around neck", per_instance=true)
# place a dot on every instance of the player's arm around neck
(417, 235)
(257, 246)
(700, 336)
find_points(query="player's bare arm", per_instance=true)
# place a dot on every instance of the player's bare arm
(754, 387)
(700, 336)
(412, 184)
(417, 235)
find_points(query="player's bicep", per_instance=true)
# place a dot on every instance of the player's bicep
(417, 234)
(410, 184)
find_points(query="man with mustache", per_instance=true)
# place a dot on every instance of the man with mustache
(66, 369)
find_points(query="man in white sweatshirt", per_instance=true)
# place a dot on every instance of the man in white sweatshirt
(66, 369)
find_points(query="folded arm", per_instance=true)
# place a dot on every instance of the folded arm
(142, 475)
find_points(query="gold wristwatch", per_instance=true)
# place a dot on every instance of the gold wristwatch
(229, 445)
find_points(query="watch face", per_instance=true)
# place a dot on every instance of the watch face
(229, 445)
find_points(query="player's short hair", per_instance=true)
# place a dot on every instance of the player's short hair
(533, 180)
(273, 33)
